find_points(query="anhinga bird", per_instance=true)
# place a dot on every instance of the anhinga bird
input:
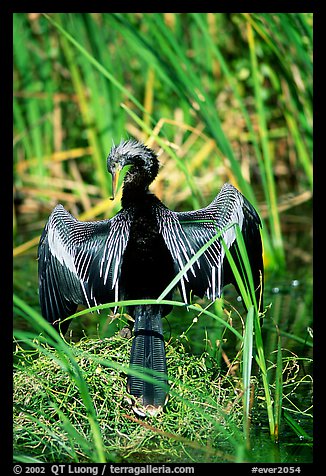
(137, 253)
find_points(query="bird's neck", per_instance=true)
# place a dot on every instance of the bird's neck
(133, 196)
(136, 186)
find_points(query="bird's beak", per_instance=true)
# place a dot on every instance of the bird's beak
(118, 176)
(115, 182)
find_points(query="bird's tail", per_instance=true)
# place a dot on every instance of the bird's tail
(148, 353)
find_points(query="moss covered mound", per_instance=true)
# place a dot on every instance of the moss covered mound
(70, 410)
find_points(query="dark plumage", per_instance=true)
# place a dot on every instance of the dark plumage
(137, 253)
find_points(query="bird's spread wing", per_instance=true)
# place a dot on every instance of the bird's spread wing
(185, 233)
(79, 262)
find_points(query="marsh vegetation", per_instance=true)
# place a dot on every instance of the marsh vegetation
(221, 98)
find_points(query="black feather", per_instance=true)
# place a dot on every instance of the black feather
(137, 253)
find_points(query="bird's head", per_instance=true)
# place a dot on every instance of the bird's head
(132, 162)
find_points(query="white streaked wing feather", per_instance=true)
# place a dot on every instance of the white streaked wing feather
(185, 233)
(74, 254)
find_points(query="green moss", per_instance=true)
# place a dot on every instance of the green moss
(199, 422)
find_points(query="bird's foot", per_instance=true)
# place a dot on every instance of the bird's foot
(142, 410)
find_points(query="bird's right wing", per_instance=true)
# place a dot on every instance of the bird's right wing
(79, 262)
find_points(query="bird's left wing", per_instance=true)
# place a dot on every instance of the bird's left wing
(79, 262)
(185, 233)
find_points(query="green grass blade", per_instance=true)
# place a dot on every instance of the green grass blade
(190, 263)
(294, 425)
(242, 283)
(75, 373)
(246, 372)
(278, 390)
(267, 160)
(303, 154)
(85, 110)
(94, 62)
(260, 359)
(137, 302)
